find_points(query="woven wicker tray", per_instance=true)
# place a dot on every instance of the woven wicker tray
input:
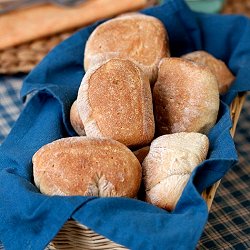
(73, 235)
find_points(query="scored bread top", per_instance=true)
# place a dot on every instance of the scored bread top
(114, 101)
(169, 164)
(86, 166)
(186, 97)
(140, 38)
(174, 154)
(224, 76)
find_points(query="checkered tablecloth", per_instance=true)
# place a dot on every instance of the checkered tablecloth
(228, 226)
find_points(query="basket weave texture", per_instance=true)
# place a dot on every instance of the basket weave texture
(23, 58)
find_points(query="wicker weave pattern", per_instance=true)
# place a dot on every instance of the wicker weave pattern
(76, 236)
(235, 110)
(25, 57)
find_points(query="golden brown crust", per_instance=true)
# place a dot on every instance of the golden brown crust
(75, 120)
(186, 97)
(114, 101)
(86, 166)
(141, 153)
(223, 75)
(169, 164)
(140, 38)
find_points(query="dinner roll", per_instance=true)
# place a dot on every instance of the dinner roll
(169, 164)
(114, 101)
(140, 38)
(141, 153)
(86, 166)
(75, 120)
(224, 76)
(186, 97)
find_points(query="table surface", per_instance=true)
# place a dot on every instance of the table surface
(228, 225)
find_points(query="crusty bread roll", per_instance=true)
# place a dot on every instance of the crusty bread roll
(75, 120)
(224, 76)
(141, 153)
(186, 97)
(168, 166)
(140, 38)
(114, 101)
(86, 166)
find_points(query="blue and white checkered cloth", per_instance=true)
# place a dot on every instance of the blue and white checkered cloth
(228, 226)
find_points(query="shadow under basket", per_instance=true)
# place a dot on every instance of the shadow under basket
(74, 235)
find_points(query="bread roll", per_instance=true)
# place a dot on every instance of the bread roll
(86, 166)
(169, 164)
(224, 76)
(75, 120)
(114, 101)
(141, 153)
(140, 38)
(186, 97)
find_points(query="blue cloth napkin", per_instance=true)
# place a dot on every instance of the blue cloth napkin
(30, 220)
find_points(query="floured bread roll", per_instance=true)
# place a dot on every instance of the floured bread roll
(86, 166)
(224, 76)
(168, 166)
(75, 120)
(140, 38)
(186, 97)
(114, 101)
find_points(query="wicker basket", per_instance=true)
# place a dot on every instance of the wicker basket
(73, 235)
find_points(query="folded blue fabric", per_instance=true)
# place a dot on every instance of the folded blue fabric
(30, 220)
